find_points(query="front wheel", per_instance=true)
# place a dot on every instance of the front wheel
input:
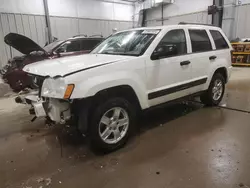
(215, 92)
(111, 124)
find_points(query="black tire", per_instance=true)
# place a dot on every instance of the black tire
(96, 141)
(207, 97)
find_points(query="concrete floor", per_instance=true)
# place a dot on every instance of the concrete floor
(184, 145)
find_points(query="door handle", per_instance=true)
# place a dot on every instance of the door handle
(212, 57)
(185, 63)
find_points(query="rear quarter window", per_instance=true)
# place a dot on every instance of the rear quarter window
(199, 40)
(219, 40)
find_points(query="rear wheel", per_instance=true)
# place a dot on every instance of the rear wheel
(215, 92)
(111, 124)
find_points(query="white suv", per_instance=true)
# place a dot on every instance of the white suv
(132, 70)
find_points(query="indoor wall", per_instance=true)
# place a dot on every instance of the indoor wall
(68, 18)
(179, 11)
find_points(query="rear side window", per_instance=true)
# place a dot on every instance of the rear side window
(219, 40)
(200, 40)
(89, 44)
(73, 46)
(69, 46)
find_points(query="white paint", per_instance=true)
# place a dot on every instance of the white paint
(71, 64)
(141, 73)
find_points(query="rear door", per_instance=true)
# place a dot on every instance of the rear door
(201, 56)
(223, 49)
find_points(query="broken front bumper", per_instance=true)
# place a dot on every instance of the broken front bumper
(56, 110)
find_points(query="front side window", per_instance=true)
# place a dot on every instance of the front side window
(219, 40)
(132, 43)
(199, 40)
(172, 44)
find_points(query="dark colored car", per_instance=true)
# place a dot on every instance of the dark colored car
(13, 74)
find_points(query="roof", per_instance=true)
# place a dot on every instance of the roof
(177, 26)
(71, 38)
(83, 36)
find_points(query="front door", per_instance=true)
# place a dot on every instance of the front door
(169, 76)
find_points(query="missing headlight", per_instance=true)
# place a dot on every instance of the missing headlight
(37, 81)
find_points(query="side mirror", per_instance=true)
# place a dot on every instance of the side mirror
(164, 51)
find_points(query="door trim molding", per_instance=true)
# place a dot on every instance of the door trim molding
(174, 89)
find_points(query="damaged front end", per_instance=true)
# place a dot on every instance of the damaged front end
(54, 110)
(13, 74)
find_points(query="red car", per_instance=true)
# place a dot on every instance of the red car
(13, 74)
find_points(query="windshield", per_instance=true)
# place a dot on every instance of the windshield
(51, 46)
(132, 43)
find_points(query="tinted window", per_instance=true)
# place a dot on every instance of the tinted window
(73, 46)
(70, 46)
(175, 38)
(200, 40)
(219, 40)
(50, 47)
(89, 44)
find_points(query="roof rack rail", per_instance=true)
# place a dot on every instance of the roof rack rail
(80, 35)
(186, 23)
(95, 36)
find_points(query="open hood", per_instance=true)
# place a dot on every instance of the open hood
(22, 44)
